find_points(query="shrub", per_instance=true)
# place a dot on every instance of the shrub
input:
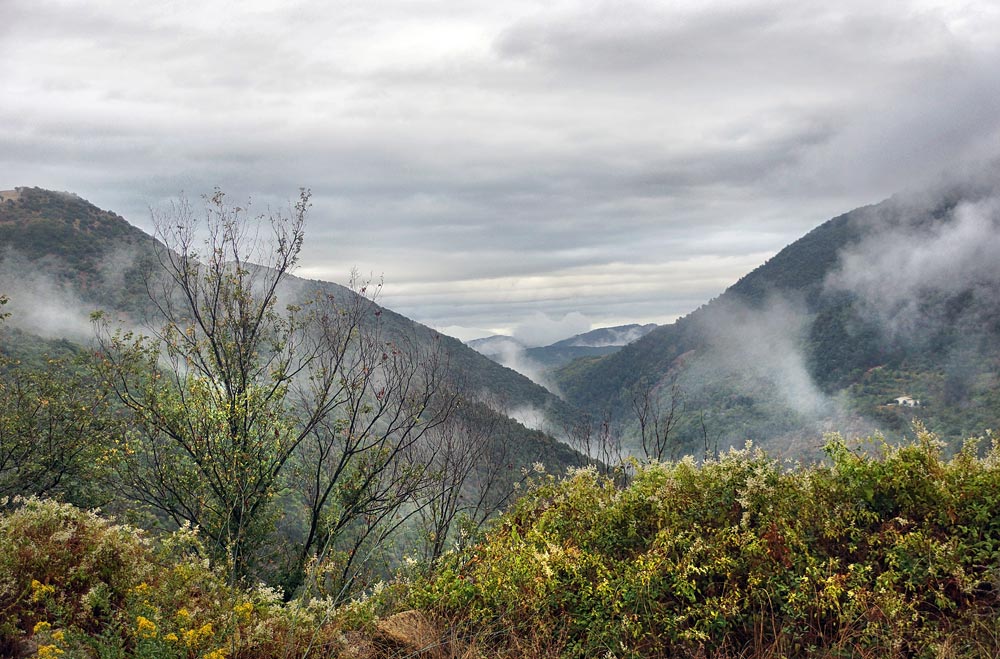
(889, 552)
(74, 583)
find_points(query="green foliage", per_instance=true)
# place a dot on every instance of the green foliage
(55, 426)
(894, 554)
(75, 584)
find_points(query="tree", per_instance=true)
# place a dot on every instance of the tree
(472, 476)
(656, 419)
(54, 422)
(361, 465)
(599, 440)
(230, 392)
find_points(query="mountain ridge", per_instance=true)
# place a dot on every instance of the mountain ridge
(810, 323)
(84, 258)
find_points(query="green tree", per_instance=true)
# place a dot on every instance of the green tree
(241, 381)
(55, 423)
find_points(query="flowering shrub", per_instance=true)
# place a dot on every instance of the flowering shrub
(882, 552)
(888, 553)
(73, 583)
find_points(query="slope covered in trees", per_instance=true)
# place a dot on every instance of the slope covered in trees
(888, 301)
(93, 259)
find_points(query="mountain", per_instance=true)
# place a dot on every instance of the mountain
(595, 343)
(538, 362)
(890, 301)
(57, 247)
(606, 337)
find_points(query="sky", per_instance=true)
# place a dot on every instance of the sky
(527, 168)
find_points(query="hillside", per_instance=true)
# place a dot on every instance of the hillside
(886, 301)
(60, 248)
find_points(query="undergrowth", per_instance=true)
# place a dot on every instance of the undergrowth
(881, 552)
(886, 552)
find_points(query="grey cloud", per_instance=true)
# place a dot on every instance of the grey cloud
(542, 140)
(766, 343)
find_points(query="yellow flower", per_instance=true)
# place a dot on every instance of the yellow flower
(183, 615)
(40, 590)
(193, 637)
(41, 626)
(171, 637)
(48, 652)
(59, 635)
(216, 654)
(145, 627)
(243, 610)
(141, 589)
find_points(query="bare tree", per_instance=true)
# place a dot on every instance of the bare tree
(472, 477)
(656, 418)
(600, 441)
(360, 465)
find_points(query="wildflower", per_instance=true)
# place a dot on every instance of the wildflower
(171, 637)
(216, 654)
(145, 627)
(59, 635)
(48, 652)
(41, 626)
(183, 615)
(243, 610)
(39, 590)
(193, 637)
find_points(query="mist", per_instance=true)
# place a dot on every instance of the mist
(41, 305)
(509, 352)
(614, 336)
(900, 265)
(766, 343)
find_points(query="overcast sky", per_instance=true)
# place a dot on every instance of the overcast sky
(504, 163)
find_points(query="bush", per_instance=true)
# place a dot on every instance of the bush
(893, 552)
(74, 583)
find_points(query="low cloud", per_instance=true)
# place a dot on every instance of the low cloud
(42, 306)
(614, 336)
(766, 343)
(900, 266)
(509, 352)
(540, 329)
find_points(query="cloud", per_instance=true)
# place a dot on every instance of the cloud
(505, 142)
(541, 330)
(765, 343)
(903, 263)
(614, 337)
(510, 352)
(40, 305)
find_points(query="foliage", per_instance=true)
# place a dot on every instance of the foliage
(892, 555)
(55, 425)
(236, 402)
(75, 584)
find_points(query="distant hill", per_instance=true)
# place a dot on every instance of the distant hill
(892, 300)
(538, 362)
(57, 247)
(606, 337)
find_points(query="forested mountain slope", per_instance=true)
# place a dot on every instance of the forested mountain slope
(75, 258)
(891, 301)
